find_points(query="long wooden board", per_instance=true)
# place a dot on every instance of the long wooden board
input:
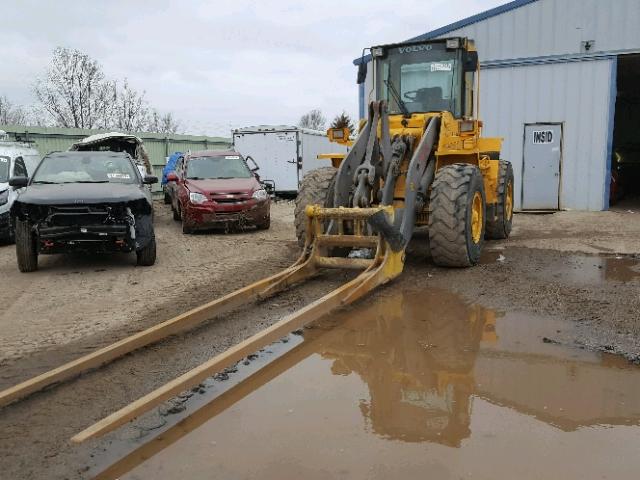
(185, 321)
(293, 321)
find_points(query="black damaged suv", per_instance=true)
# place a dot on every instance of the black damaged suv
(83, 201)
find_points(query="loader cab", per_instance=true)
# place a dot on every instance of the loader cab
(427, 76)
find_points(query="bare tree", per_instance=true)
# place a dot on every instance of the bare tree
(74, 92)
(131, 110)
(11, 114)
(162, 123)
(343, 120)
(313, 120)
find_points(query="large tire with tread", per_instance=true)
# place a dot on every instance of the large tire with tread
(26, 251)
(146, 256)
(316, 189)
(457, 213)
(500, 226)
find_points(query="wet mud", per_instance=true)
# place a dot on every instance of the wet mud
(404, 385)
(411, 383)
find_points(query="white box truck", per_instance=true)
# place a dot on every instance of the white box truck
(284, 153)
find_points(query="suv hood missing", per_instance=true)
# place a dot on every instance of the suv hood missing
(81, 193)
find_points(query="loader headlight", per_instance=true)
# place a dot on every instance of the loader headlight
(197, 198)
(260, 194)
(453, 43)
(4, 197)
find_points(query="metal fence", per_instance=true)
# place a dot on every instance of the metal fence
(158, 146)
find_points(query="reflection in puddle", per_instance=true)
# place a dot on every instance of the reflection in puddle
(413, 385)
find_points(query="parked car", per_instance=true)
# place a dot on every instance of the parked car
(16, 159)
(168, 168)
(217, 189)
(83, 201)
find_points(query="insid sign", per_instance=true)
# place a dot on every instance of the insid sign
(542, 136)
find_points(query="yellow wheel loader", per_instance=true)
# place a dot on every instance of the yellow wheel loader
(419, 153)
(418, 160)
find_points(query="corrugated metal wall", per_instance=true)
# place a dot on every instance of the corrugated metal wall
(556, 27)
(574, 94)
(158, 146)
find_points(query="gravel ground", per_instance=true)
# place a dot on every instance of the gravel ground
(76, 304)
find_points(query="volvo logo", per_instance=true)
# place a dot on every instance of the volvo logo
(415, 48)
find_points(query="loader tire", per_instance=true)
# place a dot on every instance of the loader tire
(26, 252)
(457, 214)
(499, 226)
(316, 189)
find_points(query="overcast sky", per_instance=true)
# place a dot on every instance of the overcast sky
(219, 65)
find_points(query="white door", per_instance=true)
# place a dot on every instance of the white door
(541, 166)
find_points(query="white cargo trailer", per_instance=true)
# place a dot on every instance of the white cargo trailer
(284, 153)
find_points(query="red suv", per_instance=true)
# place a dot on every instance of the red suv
(215, 188)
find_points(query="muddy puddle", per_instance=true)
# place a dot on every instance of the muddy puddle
(411, 385)
(591, 269)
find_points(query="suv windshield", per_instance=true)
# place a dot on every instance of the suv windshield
(223, 166)
(85, 169)
(4, 169)
(424, 77)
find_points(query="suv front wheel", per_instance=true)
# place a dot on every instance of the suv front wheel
(146, 256)
(26, 252)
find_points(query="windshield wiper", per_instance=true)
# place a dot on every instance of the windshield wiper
(44, 182)
(396, 96)
(89, 181)
(195, 178)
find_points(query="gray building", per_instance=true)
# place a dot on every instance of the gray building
(569, 69)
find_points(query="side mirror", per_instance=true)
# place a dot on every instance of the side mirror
(255, 166)
(18, 182)
(362, 72)
(172, 177)
(470, 61)
(150, 179)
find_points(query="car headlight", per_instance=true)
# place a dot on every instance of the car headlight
(195, 197)
(260, 194)
(4, 197)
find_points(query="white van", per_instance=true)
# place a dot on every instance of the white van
(16, 159)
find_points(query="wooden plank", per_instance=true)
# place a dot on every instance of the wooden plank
(182, 322)
(296, 320)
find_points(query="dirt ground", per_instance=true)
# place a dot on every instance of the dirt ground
(582, 267)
